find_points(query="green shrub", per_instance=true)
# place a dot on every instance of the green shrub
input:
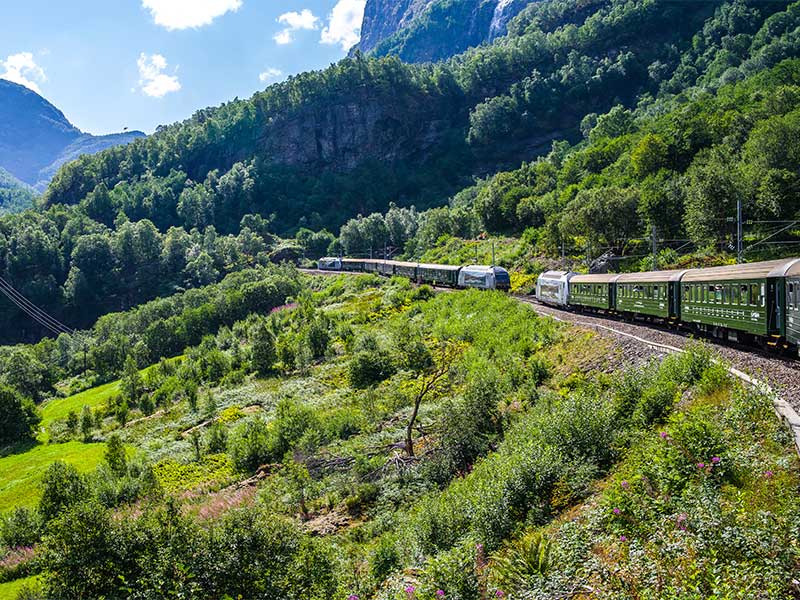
(62, 487)
(369, 368)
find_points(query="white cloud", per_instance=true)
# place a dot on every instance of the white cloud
(185, 14)
(152, 80)
(270, 74)
(295, 21)
(344, 24)
(22, 69)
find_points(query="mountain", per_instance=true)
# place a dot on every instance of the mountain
(430, 30)
(36, 138)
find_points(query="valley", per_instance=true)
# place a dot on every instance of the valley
(190, 408)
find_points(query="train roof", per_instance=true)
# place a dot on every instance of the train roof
(596, 278)
(557, 275)
(400, 263)
(651, 276)
(440, 267)
(747, 271)
(353, 260)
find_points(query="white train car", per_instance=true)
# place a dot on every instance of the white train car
(552, 287)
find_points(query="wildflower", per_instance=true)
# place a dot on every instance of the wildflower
(440, 593)
(701, 465)
(715, 460)
(663, 435)
(616, 511)
(622, 538)
(768, 474)
(625, 485)
(352, 597)
(410, 591)
(500, 594)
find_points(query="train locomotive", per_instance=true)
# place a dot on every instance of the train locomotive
(756, 303)
(483, 277)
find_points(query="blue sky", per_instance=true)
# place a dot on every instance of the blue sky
(110, 64)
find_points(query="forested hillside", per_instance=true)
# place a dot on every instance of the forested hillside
(14, 194)
(674, 170)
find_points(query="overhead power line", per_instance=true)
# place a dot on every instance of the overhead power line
(34, 312)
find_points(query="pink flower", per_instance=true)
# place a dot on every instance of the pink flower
(500, 593)
(622, 538)
(616, 511)
(440, 593)
(625, 485)
(352, 597)
(410, 591)
(715, 460)
(768, 474)
(701, 465)
(663, 435)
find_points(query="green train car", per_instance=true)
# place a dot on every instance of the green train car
(750, 299)
(593, 291)
(405, 269)
(352, 265)
(654, 294)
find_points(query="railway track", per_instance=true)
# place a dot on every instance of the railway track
(778, 375)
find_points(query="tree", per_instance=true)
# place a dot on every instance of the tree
(72, 422)
(115, 456)
(62, 487)
(263, 354)
(131, 384)
(430, 377)
(19, 417)
(194, 437)
(87, 423)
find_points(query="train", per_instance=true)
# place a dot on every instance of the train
(483, 277)
(756, 303)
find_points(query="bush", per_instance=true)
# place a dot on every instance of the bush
(369, 368)
(20, 528)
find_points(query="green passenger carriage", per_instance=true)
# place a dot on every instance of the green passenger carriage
(593, 291)
(749, 298)
(654, 293)
(352, 265)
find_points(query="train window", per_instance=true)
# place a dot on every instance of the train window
(735, 294)
(743, 293)
(726, 294)
(753, 294)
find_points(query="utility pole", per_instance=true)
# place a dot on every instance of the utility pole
(655, 249)
(477, 247)
(739, 241)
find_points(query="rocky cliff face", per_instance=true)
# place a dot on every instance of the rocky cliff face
(36, 138)
(431, 30)
(341, 134)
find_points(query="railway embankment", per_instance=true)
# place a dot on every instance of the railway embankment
(779, 375)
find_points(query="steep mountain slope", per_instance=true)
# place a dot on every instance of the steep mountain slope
(429, 30)
(36, 138)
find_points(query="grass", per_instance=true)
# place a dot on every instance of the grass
(59, 408)
(9, 591)
(20, 474)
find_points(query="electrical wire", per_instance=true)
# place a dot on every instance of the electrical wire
(34, 312)
(55, 323)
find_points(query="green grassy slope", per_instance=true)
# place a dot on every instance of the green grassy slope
(20, 473)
